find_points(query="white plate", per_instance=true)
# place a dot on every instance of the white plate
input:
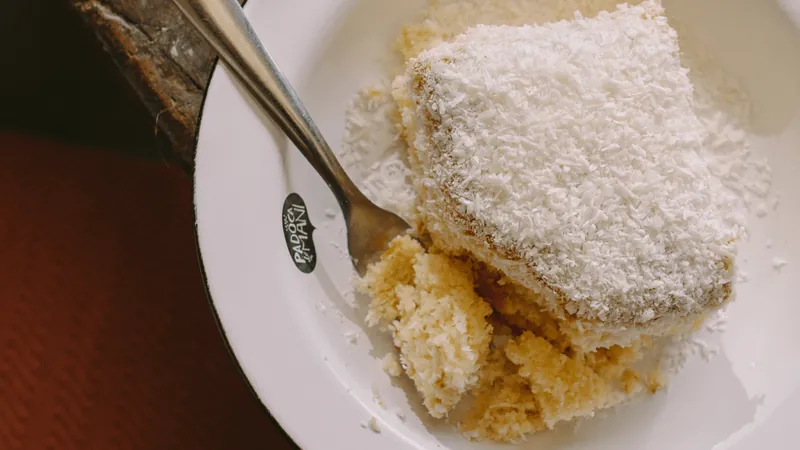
(287, 328)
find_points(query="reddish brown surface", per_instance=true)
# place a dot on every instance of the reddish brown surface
(106, 339)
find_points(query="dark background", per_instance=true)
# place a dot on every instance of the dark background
(107, 340)
(56, 82)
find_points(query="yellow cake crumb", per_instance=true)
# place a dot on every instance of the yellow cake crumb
(529, 385)
(611, 363)
(564, 389)
(506, 411)
(513, 303)
(391, 365)
(395, 268)
(656, 381)
(631, 382)
(437, 321)
(505, 408)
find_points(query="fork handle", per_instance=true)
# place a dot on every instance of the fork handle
(225, 27)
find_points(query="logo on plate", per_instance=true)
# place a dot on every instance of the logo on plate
(297, 230)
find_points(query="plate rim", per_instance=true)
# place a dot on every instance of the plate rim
(215, 66)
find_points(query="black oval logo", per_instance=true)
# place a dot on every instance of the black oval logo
(297, 230)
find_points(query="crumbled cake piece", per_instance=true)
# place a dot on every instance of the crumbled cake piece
(564, 389)
(514, 303)
(505, 408)
(613, 363)
(372, 425)
(566, 155)
(529, 385)
(391, 365)
(437, 321)
(378, 398)
(656, 380)
(395, 268)
(352, 337)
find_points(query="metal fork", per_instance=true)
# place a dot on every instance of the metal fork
(225, 27)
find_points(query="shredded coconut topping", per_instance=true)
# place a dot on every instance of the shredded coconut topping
(375, 157)
(372, 425)
(779, 263)
(373, 153)
(574, 145)
(724, 109)
(445, 19)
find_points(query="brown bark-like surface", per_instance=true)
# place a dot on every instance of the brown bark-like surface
(164, 59)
